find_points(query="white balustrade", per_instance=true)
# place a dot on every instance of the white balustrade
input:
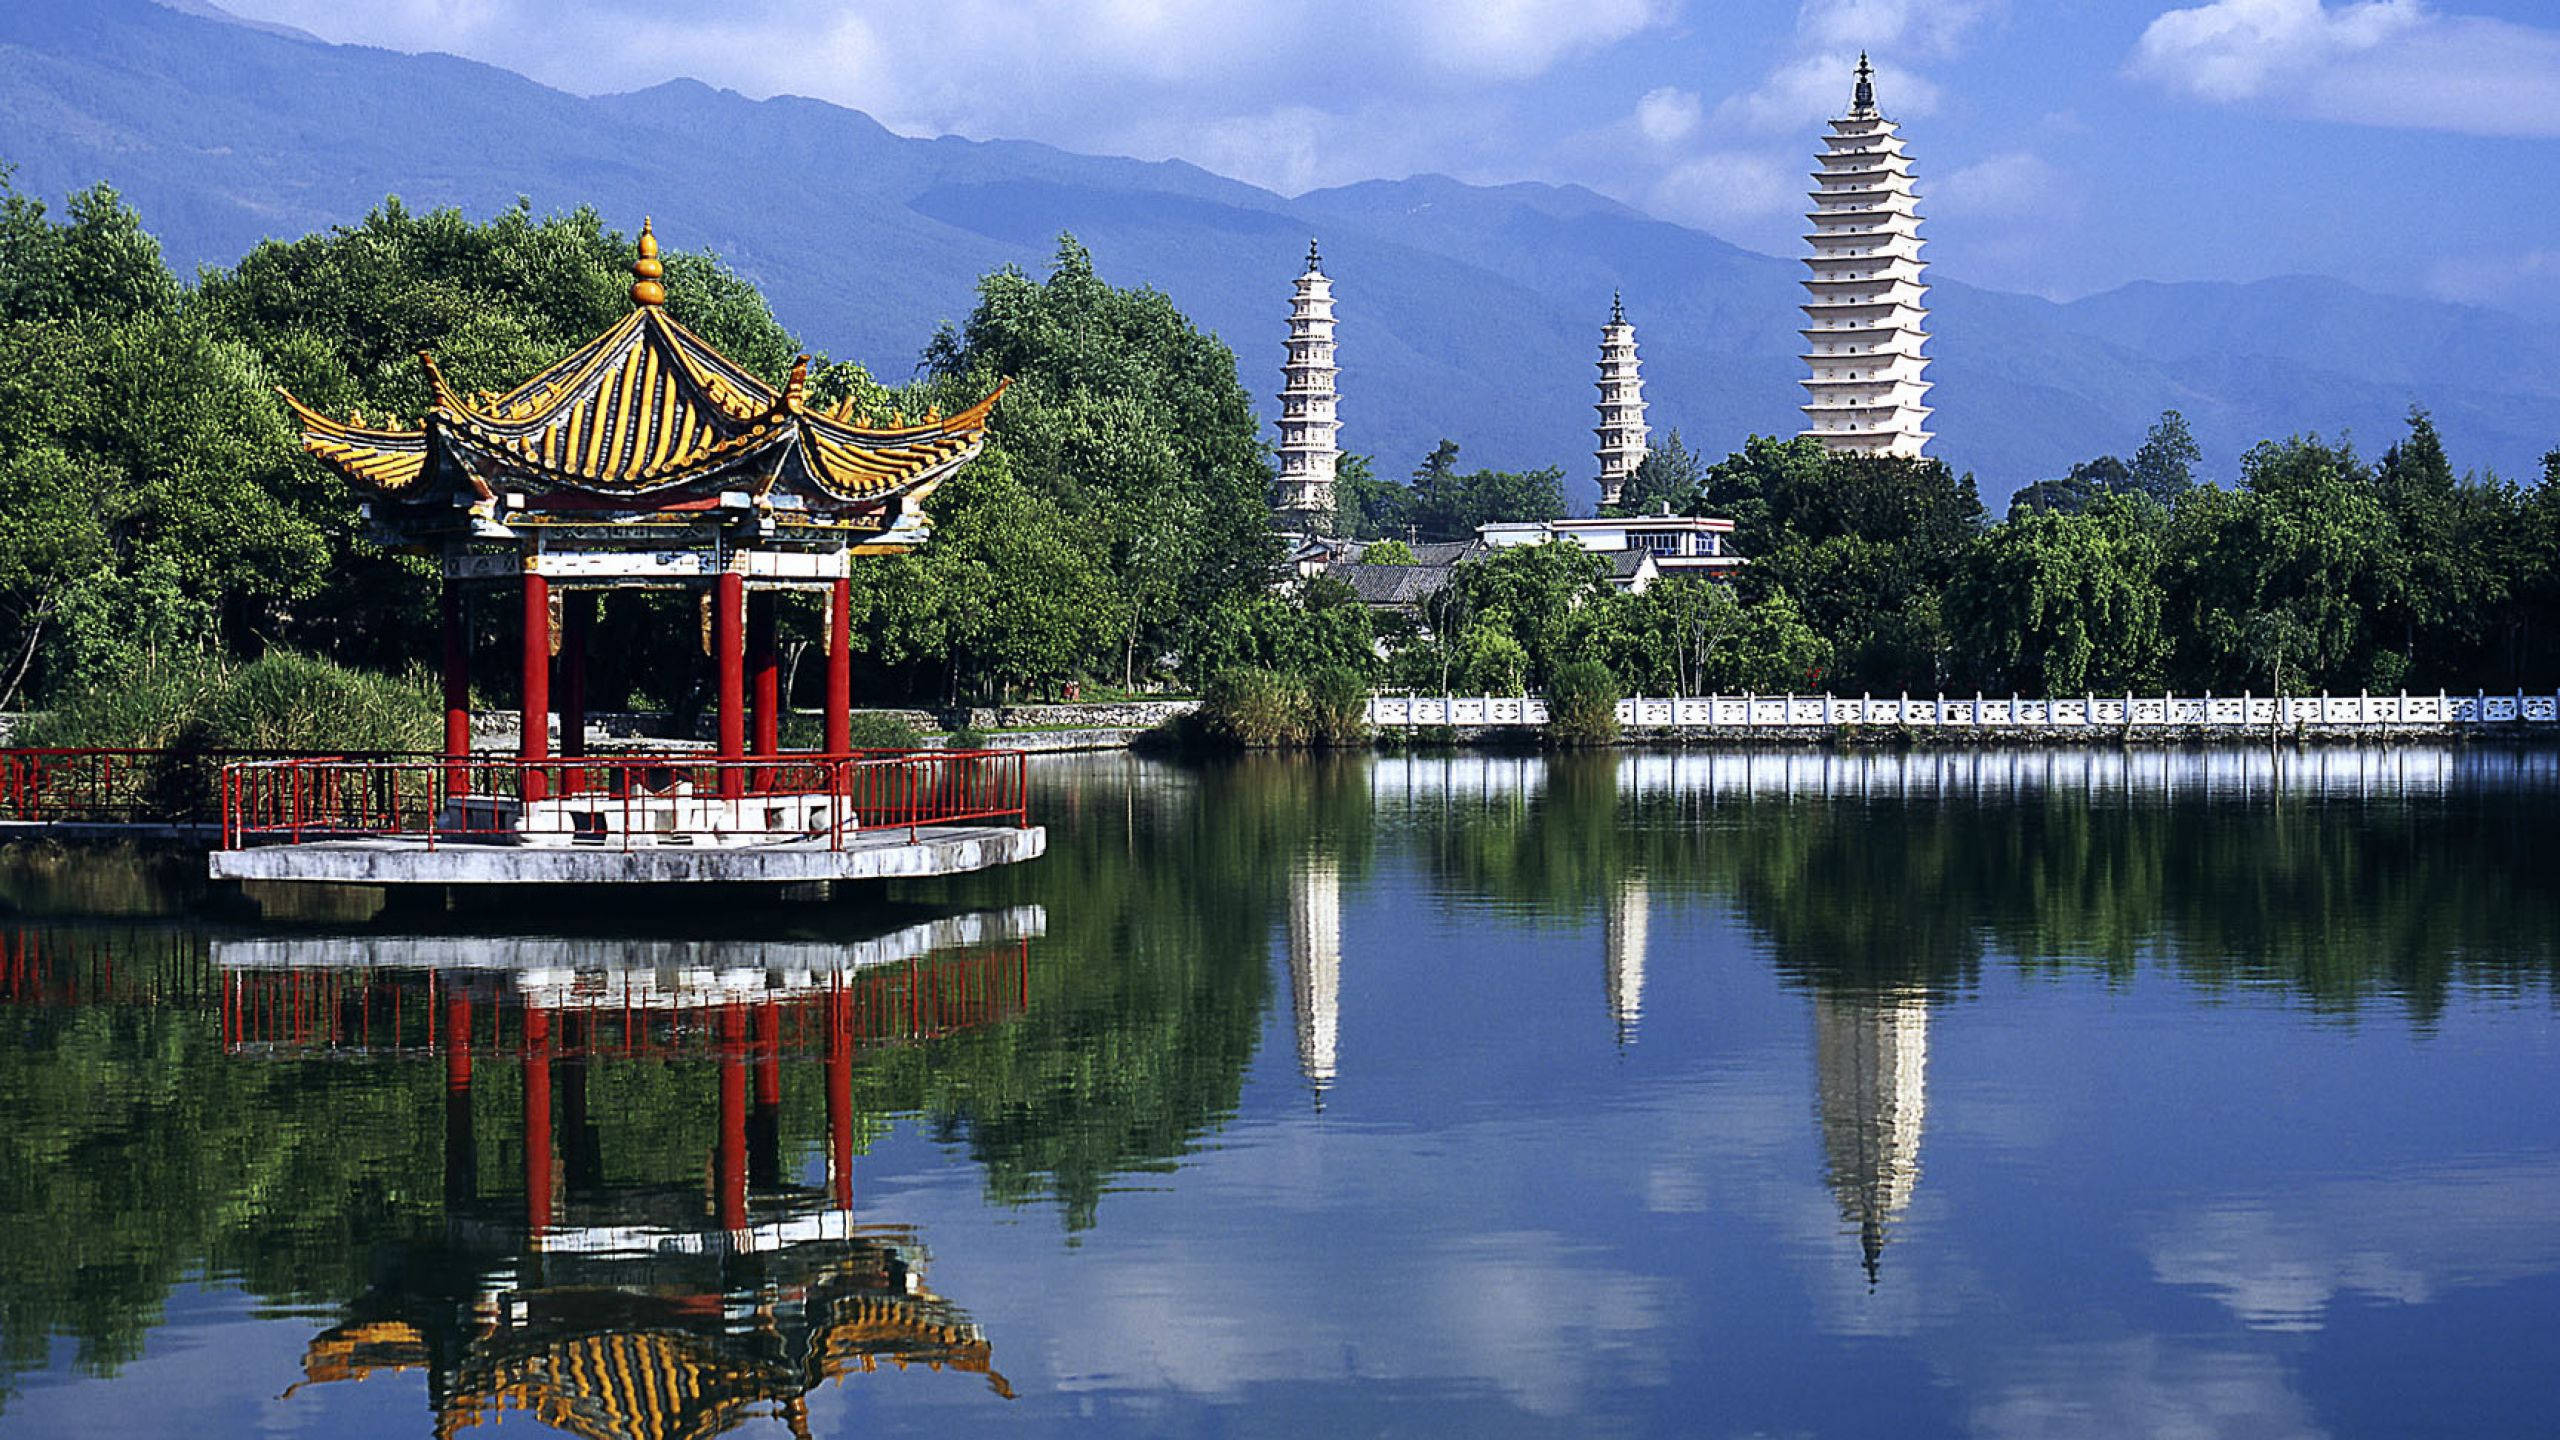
(2083, 713)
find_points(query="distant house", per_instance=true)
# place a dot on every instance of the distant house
(1640, 548)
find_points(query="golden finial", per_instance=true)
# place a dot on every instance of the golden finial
(646, 290)
(796, 394)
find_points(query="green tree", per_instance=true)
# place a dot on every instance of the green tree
(1388, 552)
(1370, 508)
(2164, 468)
(2058, 604)
(1554, 601)
(2305, 536)
(1130, 420)
(1670, 479)
(1447, 504)
(1866, 545)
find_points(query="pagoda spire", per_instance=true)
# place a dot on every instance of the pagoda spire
(1865, 308)
(1622, 430)
(1310, 444)
(647, 289)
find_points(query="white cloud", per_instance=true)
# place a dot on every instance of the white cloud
(1668, 115)
(2279, 1262)
(1802, 93)
(2527, 281)
(2020, 182)
(1724, 188)
(2395, 63)
(1515, 38)
(1925, 29)
(1287, 96)
(2144, 1386)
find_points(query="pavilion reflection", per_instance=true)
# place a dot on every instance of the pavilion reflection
(599, 1305)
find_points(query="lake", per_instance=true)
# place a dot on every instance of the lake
(2003, 1093)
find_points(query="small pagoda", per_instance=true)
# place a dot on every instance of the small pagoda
(1310, 427)
(647, 459)
(1622, 432)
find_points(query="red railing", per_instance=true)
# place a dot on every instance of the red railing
(107, 785)
(317, 1010)
(620, 802)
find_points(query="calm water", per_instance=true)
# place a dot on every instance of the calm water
(2042, 1094)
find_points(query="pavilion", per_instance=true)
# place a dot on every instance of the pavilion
(647, 459)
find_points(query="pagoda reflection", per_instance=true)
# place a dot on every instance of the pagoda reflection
(601, 1306)
(1623, 930)
(1315, 966)
(1870, 1060)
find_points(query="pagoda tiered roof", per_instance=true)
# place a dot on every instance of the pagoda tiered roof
(649, 417)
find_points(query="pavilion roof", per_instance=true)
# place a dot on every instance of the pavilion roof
(655, 1364)
(647, 416)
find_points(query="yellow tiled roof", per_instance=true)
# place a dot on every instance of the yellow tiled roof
(645, 407)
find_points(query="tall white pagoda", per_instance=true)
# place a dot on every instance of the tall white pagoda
(1622, 430)
(1865, 316)
(1309, 431)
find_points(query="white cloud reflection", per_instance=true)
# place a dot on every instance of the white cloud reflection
(2280, 1262)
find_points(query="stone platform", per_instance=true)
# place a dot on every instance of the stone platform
(885, 854)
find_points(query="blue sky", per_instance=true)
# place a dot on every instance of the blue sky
(2411, 146)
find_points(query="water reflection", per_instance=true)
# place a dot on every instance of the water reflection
(1622, 939)
(643, 1307)
(2199, 1055)
(607, 1289)
(1315, 966)
(1871, 1089)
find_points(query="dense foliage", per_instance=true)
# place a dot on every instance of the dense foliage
(157, 519)
(153, 499)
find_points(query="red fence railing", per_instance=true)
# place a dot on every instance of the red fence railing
(620, 802)
(317, 1011)
(123, 786)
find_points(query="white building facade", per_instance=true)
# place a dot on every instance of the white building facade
(1310, 430)
(1622, 431)
(1865, 309)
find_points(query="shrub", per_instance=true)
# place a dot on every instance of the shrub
(1255, 708)
(965, 736)
(284, 701)
(882, 730)
(1338, 706)
(1491, 662)
(155, 706)
(1582, 705)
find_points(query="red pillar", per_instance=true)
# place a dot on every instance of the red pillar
(764, 674)
(535, 722)
(457, 689)
(577, 611)
(461, 1149)
(840, 1097)
(729, 1168)
(729, 644)
(840, 668)
(537, 1120)
(764, 1126)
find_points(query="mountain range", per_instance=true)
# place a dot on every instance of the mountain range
(1468, 311)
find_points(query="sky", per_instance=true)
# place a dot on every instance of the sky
(2064, 147)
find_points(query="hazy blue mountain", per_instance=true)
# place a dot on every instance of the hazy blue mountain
(1467, 311)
